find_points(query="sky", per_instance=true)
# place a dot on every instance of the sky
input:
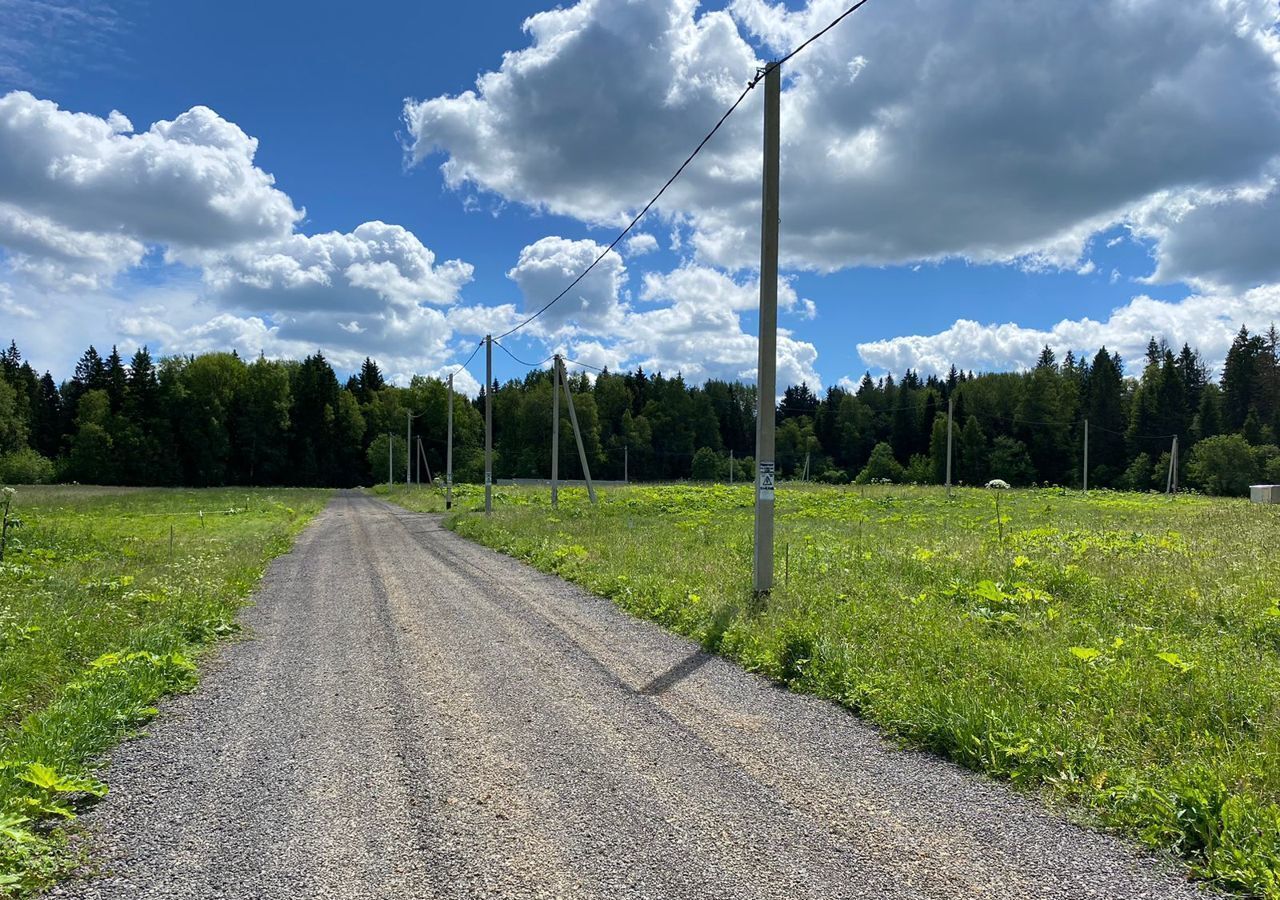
(962, 182)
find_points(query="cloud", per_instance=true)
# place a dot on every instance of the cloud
(84, 200)
(189, 183)
(914, 131)
(639, 244)
(1217, 240)
(44, 35)
(335, 271)
(1207, 322)
(689, 320)
(547, 267)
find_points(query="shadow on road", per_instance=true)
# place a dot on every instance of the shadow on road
(677, 673)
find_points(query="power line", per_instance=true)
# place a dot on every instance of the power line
(521, 361)
(469, 358)
(832, 24)
(696, 150)
(582, 364)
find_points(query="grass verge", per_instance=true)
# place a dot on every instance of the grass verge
(106, 597)
(1119, 651)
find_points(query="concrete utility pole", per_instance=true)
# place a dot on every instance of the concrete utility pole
(626, 463)
(951, 411)
(448, 454)
(390, 447)
(767, 367)
(408, 443)
(1086, 456)
(577, 433)
(1171, 486)
(488, 424)
(555, 431)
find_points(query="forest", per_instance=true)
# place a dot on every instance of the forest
(217, 419)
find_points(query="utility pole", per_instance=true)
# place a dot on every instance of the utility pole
(951, 411)
(1086, 456)
(488, 424)
(731, 466)
(1171, 486)
(408, 443)
(626, 463)
(767, 367)
(417, 462)
(448, 454)
(577, 433)
(390, 446)
(555, 431)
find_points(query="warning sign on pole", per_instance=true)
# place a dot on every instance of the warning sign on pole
(766, 481)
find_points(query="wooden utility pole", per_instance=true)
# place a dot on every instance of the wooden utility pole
(951, 411)
(767, 366)
(448, 454)
(488, 424)
(555, 431)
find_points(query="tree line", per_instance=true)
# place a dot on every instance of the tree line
(217, 419)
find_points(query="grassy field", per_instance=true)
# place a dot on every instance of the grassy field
(106, 596)
(1120, 651)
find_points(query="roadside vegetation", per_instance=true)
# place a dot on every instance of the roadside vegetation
(107, 596)
(1120, 651)
(216, 419)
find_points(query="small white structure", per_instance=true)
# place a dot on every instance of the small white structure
(998, 483)
(1264, 493)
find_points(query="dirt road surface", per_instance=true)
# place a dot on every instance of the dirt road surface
(419, 717)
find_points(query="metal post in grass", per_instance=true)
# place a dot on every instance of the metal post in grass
(448, 454)
(767, 367)
(1086, 456)
(577, 435)
(951, 412)
(555, 431)
(488, 424)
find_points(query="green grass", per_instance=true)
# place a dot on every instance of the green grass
(99, 618)
(1120, 651)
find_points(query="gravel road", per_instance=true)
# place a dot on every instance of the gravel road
(419, 717)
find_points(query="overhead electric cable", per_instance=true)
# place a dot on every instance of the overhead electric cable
(696, 150)
(522, 361)
(469, 358)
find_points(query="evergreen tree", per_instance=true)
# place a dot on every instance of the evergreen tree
(117, 381)
(1240, 379)
(46, 433)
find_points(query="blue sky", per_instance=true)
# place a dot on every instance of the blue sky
(1030, 213)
